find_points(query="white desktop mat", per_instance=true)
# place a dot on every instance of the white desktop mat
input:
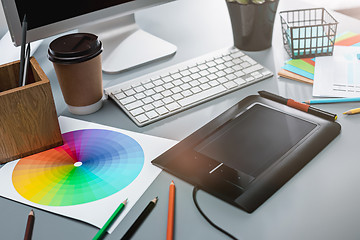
(94, 212)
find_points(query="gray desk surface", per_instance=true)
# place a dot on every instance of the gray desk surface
(320, 202)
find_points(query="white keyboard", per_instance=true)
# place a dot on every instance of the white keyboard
(163, 93)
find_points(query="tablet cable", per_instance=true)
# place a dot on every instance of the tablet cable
(195, 189)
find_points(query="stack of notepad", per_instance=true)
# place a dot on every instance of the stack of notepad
(303, 69)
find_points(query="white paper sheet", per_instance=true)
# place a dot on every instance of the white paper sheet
(99, 211)
(338, 75)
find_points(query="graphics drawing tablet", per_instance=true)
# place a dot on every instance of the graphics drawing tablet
(247, 153)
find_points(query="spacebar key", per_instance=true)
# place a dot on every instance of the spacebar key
(201, 95)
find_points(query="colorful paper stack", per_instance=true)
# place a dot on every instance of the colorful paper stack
(303, 69)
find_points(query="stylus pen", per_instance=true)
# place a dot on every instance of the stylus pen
(298, 105)
(22, 50)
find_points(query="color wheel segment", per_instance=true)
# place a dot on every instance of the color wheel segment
(91, 165)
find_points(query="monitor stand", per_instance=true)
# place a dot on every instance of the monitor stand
(126, 45)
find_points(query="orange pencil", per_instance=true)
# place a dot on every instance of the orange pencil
(170, 222)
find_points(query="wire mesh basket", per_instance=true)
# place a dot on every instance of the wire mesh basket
(308, 32)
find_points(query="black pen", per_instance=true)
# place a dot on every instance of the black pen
(140, 219)
(298, 105)
(22, 51)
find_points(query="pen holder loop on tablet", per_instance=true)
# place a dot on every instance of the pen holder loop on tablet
(252, 24)
(28, 118)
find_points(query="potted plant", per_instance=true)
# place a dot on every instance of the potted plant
(252, 23)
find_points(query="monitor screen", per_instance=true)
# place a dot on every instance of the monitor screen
(47, 18)
(112, 21)
(40, 13)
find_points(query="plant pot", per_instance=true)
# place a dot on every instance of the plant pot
(252, 24)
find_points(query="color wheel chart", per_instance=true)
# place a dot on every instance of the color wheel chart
(91, 165)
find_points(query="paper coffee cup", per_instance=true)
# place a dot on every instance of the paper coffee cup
(77, 62)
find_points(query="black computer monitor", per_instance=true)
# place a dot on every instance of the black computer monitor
(112, 20)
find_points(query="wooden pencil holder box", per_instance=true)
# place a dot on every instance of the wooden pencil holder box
(28, 119)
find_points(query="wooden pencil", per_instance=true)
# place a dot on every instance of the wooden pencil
(171, 208)
(140, 219)
(352, 111)
(29, 226)
(100, 234)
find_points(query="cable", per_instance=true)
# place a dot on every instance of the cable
(196, 188)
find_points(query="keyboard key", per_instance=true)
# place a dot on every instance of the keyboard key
(186, 93)
(149, 85)
(194, 69)
(267, 73)
(162, 110)
(149, 92)
(195, 76)
(168, 85)
(167, 79)
(148, 107)
(137, 111)
(134, 105)
(159, 89)
(176, 76)
(173, 106)
(177, 96)
(186, 79)
(214, 83)
(223, 79)
(202, 67)
(178, 82)
(204, 86)
(212, 76)
(140, 95)
(201, 95)
(239, 81)
(142, 118)
(157, 96)
(230, 84)
(158, 103)
(139, 89)
(239, 73)
(176, 89)
(231, 77)
(168, 100)
(249, 79)
(147, 100)
(130, 92)
(120, 95)
(253, 69)
(195, 89)
(152, 114)
(194, 83)
(213, 70)
(158, 82)
(127, 100)
(245, 64)
(185, 73)
(203, 73)
(166, 93)
(185, 86)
